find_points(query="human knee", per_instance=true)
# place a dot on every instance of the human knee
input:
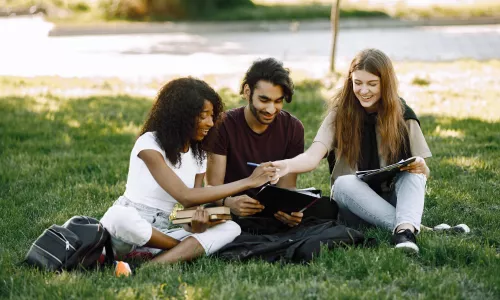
(344, 185)
(218, 236)
(125, 224)
(113, 219)
(231, 229)
(412, 178)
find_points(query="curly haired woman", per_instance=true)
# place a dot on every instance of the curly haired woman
(369, 126)
(167, 166)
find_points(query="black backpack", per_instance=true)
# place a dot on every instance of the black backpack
(78, 243)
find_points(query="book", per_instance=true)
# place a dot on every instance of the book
(214, 217)
(217, 210)
(385, 172)
(277, 199)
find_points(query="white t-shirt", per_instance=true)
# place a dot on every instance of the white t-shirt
(142, 187)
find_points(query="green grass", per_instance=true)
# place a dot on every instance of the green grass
(63, 154)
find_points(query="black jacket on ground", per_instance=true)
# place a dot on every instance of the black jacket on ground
(299, 244)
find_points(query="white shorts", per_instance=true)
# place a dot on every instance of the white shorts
(130, 225)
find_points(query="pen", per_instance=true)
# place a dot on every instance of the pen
(309, 205)
(252, 164)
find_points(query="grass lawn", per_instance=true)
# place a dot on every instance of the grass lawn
(63, 154)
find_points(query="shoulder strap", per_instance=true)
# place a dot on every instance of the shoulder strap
(110, 256)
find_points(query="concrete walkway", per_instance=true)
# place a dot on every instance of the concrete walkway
(31, 52)
(256, 26)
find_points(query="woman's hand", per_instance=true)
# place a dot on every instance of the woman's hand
(282, 168)
(262, 174)
(199, 221)
(417, 167)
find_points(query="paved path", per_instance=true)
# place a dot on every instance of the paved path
(28, 52)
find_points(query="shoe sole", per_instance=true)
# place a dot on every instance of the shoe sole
(408, 247)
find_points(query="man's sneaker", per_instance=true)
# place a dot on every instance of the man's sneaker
(122, 269)
(460, 228)
(405, 240)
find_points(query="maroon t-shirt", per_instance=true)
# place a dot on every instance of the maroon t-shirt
(284, 138)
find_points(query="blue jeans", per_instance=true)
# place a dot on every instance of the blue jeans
(358, 203)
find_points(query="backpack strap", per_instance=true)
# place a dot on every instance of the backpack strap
(110, 256)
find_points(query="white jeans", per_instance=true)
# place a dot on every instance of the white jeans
(130, 225)
(403, 205)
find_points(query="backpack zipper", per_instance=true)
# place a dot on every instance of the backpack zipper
(64, 240)
(48, 253)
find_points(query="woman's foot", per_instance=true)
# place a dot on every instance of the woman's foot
(405, 239)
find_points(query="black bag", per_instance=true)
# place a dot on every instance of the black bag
(297, 245)
(77, 243)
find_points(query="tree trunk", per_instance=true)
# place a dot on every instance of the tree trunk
(335, 13)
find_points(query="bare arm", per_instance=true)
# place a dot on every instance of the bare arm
(173, 185)
(241, 205)
(288, 182)
(304, 162)
(216, 169)
(198, 180)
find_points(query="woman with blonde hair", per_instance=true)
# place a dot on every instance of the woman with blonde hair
(369, 126)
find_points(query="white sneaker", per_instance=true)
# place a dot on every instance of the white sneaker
(460, 228)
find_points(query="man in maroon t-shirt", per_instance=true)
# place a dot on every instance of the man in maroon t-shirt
(258, 132)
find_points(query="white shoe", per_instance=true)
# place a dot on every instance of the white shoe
(460, 228)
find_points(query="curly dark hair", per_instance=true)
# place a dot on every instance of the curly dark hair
(175, 113)
(271, 70)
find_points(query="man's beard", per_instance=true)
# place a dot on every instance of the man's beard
(255, 113)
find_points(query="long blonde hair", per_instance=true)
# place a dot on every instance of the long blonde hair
(350, 114)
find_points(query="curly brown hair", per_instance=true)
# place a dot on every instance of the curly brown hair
(174, 116)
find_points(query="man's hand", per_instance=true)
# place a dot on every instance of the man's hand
(291, 220)
(262, 174)
(243, 205)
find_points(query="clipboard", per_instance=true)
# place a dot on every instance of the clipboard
(385, 172)
(277, 199)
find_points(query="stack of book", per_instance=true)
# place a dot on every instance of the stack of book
(214, 214)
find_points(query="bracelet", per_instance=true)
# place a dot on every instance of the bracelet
(224, 200)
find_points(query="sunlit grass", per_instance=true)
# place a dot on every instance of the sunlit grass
(64, 154)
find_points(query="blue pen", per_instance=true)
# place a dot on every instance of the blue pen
(252, 164)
